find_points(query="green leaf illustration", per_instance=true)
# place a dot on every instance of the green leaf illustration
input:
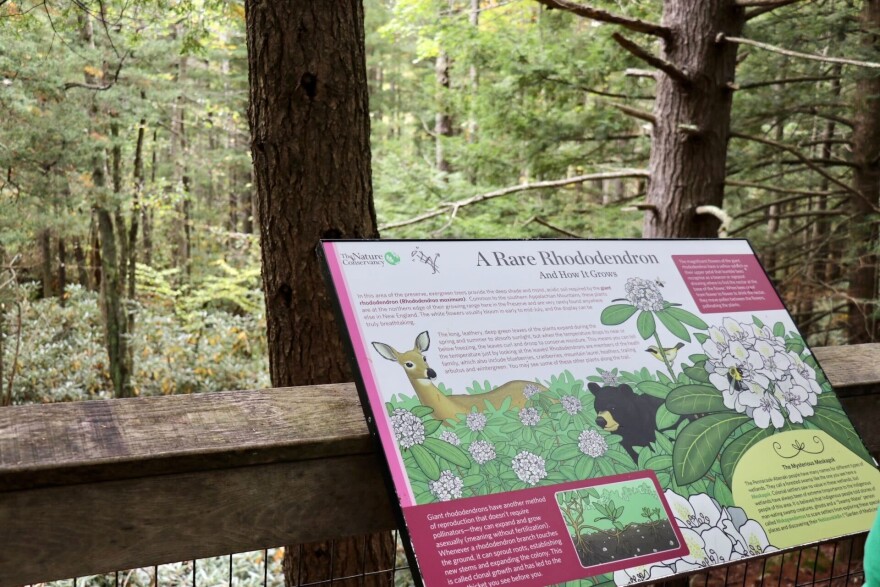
(722, 493)
(584, 467)
(432, 426)
(779, 329)
(617, 314)
(444, 450)
(422, 411)
(697, 374)
(426, 461)
(829, 400)
(646, 324)
(653, 388)
(699, 442)
(736, 449)
(673, 325)
(565, 452)
(691, 320)
(665, 418)
(659, 462)
(695, 399)
(838, 426)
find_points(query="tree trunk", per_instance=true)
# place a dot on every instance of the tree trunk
(862, 293)
(62, 269)
(309, 120)
(689, 146)
(47, 291)
(442, 119)
(82, 270)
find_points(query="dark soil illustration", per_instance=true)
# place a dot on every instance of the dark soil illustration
(617, 522)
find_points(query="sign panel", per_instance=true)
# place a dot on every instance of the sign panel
(594, 411)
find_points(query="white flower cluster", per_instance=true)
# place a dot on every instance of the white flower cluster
(529, 467)
(609, 378)
(447, 487)
(529, 416)
(572, 404)
(482, 451)
(476, 421)
(758, 376)
(592, 443)
(450, 437)
(644, 294)
(530, 390)
(408, 428)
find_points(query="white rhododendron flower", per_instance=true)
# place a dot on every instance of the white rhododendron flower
(609, 378)
(408, 428)
(529, 467)
(757, 376)
(592, 444)
(714, 534)
(529, 416)
(482, 451)
(450, 437)
(531, 390)
(572, 404)
(447, 487)
(476, 421)
(644, 294)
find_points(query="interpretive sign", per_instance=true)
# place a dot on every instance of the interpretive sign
(594, 411)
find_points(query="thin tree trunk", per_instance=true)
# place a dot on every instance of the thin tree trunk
(442, 119)
(45, 239)
(82, 270)
(62, 270)
(309, 118)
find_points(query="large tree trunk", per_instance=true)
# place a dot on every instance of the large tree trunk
(862, 293)
(692, 127)
(310, 134)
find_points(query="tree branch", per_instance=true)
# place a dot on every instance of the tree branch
(636, 113)
(763, 6)
(791, 80)
(721, 38)
(805, 160)
(665, 66)
(455, 206)
(781, 190)
(633, 24)
(542, 222)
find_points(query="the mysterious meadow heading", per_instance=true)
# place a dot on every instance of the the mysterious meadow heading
(552, 258)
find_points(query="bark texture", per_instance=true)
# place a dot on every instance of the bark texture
(692, 128)
(862, 293)
(310, 141)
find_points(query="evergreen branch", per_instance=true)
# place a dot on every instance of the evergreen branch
(763, 6)
(805, 160)
(455, 206)
(779, 202)
(791, 80)
(781, 190)
(636, 113)
(721, 38)
(665, 66)
(542, 222)
(633, 24)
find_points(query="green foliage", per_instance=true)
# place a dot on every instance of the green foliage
(62, 357)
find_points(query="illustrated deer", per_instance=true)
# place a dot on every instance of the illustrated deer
(420, 375)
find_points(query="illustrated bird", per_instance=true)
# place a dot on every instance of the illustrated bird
(668, 352)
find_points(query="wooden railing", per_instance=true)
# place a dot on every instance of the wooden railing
(99, 486)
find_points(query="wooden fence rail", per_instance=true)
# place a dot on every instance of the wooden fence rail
(98, 486)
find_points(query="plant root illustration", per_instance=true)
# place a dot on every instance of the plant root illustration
(450, 407)
(616, 522)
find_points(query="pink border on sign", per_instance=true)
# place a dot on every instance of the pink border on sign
(401, 482)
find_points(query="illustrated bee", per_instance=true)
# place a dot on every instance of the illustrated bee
(735, 377)
(660, 282)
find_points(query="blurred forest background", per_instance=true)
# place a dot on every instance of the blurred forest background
(128, 244)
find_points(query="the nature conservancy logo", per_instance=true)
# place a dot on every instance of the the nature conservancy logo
(375, 259)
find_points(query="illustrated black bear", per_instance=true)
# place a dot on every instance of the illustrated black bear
(631, 416)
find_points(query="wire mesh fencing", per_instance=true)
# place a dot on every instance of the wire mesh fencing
(828, 564)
